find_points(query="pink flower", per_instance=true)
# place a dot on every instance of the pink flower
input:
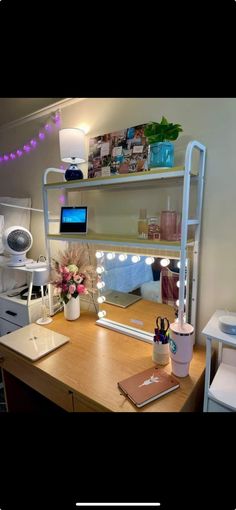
(63, 269)
(81, 289)
(72, 288)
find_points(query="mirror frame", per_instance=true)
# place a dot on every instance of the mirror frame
(172, 253)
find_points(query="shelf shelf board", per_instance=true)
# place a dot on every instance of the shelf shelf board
(115, 181)
(118, 240)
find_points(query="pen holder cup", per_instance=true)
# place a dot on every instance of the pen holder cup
(160, 353)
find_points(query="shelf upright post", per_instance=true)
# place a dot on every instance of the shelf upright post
(186, 222)
(200, 183)
(45, 208)
(46, 230)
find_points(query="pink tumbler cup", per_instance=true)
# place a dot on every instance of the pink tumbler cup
(181, 348)
(168, 225)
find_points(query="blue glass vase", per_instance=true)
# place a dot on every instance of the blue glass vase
(161, 154)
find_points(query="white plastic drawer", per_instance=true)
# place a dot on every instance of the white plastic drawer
(14, 312)
(214, 407)
(7, 327)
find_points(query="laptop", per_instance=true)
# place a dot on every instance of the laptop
(33, 341)
(122, 299)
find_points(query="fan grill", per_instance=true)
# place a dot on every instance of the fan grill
(19, 240)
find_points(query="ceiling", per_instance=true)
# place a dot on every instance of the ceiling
(13, 108)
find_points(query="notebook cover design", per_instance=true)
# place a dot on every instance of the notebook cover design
(148, 385)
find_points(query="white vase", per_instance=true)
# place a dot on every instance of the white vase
(72, 309)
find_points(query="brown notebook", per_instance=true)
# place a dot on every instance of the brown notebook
(149, 385)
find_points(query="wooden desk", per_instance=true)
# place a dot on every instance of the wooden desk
(82, 375)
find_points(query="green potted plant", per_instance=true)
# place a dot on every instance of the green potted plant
(160, 137)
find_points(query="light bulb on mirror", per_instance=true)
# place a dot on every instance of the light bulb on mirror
(100, 269)
(178, 264)
(122, 257)
(165, 262)
(100, 285)
(99, 254)
(102, 314)
(135, 259)
(178, 283)
(101, 299)
(149, 260)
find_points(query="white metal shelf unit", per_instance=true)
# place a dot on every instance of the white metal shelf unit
(220, 394)
(142, 179)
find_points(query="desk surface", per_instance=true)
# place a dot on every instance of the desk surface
(96, 358)
(141, 315)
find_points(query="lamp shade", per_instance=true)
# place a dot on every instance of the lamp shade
(72, 145)
(41, 276)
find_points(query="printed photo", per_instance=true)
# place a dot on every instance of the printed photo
(123, 151)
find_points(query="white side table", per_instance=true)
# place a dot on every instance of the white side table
(220, 395)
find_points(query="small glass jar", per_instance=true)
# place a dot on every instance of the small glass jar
(153, 228)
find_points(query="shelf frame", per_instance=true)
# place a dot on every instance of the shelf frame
(133, 180)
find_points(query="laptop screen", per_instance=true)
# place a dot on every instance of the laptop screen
(122, 299)
(73, 220)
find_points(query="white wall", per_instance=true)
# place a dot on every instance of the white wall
(211, 121)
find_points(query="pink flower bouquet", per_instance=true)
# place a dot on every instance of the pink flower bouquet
(72, 274)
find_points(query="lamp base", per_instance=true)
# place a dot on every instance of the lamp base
(73, 173)
(44, 321)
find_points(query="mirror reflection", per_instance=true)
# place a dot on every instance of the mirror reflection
(134, 289)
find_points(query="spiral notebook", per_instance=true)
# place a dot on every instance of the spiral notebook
(148, 385)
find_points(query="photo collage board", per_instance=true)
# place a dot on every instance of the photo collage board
(120, 152)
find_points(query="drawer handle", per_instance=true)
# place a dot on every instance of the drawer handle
(11, 313)
(1, 359)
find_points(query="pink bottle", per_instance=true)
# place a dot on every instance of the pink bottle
(168, 225)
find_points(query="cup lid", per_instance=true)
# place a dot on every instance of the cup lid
(185, 329)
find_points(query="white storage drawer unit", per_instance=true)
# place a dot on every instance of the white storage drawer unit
(15, 312)
(7, 327)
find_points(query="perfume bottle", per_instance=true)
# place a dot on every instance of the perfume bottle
(153, 228)
(143, 224)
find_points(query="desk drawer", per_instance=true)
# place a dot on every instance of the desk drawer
(82, 406)
(36, 379)
(14, 312)
(7, 327)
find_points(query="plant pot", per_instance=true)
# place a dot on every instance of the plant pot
(161, 154)
(72, 309)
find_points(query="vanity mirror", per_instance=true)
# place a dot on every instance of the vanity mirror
(134, 288)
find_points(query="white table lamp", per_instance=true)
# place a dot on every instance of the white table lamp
(41, 278)
(72, 150)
